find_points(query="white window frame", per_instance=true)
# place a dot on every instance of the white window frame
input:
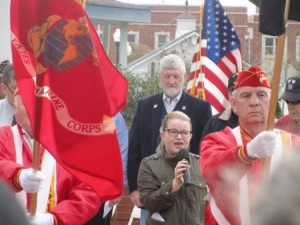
(264, 55)
(156, 38)
(264, 46)
(298, 48)
(134, 45)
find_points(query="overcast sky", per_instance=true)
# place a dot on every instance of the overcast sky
(251, 7)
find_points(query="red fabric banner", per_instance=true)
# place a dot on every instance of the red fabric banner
(70, 89)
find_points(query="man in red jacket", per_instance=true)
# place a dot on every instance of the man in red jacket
(62, 199)
(235, 162)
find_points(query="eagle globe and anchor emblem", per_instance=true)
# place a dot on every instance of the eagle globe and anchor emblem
(62, 44)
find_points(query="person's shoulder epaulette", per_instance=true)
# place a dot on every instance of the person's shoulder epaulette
(152, 157)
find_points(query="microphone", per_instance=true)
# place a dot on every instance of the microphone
(184, 154)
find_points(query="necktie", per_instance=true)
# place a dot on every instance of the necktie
(13, 121)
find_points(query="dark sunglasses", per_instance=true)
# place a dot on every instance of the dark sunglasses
(292, 102)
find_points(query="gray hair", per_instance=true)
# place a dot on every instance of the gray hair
(8, 74)
(172, 61)
(3, 64)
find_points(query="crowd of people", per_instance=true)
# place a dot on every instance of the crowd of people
(182, 165)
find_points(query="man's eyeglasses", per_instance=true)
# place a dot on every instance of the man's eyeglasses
(292, 102)
(174, 133)
(12, 91)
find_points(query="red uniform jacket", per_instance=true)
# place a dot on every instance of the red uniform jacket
(223, 169)
(76, 202)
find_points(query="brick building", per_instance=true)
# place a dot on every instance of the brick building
(257, 49)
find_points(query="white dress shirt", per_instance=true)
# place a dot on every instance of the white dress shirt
(7, 113)
(170, 104)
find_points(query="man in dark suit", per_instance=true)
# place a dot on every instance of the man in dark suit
(144, 133)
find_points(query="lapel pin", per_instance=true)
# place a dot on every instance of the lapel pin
(155, 106)
(184, 107)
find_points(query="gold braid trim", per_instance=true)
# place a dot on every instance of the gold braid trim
(16, 180)
(243, 156)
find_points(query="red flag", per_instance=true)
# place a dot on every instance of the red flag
(217, 57)
(70, 89)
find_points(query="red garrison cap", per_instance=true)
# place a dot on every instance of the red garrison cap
(253, 77)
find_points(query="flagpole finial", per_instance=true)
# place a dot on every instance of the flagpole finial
(186, 5)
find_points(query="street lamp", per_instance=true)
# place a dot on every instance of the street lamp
(99, 32)
(117, 37)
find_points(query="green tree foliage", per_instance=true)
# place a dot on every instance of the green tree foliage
(140, 86)
(138, 51)
(279, 112)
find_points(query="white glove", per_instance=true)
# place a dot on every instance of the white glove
(263, 145)
(42, 219)
(31, 181)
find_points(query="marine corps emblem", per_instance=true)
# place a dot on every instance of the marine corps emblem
(60, 44)
(262, 78)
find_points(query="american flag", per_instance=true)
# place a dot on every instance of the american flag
(216, 57)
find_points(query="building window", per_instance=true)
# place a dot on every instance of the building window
(161, 39)
(269, 46)
(298, 48)
(133, 40)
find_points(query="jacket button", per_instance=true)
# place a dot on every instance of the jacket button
(163, 183)
(167, 193)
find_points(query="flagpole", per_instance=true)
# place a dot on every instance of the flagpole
(35, 167)
(194, 90)
(277, 71)
(200, 47)
(276, 79)
(194, 75)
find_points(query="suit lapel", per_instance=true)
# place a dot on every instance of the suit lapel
(156, 108)
(155, 122)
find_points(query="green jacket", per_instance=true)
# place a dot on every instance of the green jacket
(184, 207)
